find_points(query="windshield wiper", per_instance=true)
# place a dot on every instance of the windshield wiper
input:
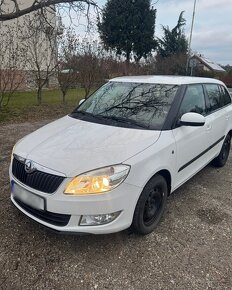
(122, 120)
(112, 118)
(86, 114)
(83, 113)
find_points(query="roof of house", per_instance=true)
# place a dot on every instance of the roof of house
(172, 80)
(208, 63)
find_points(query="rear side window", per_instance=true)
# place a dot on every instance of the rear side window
(194, 100)
(214, 95)
(226, 99)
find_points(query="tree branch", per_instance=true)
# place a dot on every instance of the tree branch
(16, 5)
(36, 5)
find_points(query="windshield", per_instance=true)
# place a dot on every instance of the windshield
(136, 105)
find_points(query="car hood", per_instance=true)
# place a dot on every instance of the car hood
(72, 146)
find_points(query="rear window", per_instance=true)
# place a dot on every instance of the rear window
(226, 99)
(214, 95)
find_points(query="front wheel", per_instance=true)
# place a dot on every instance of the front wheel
(150, 206)
(221, 159)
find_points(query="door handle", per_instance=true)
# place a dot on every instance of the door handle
(227, 118)
(208, 127)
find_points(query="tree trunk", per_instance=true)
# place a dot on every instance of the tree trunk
(39, 96)
(87, 90)
(63, 96)
(1, 102)
(127, 63)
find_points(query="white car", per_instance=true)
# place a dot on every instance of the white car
(112, 162)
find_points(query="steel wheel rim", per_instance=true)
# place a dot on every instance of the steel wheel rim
(153, 205)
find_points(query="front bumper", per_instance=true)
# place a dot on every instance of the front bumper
(68, 209)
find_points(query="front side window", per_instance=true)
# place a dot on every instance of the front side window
(128, 104)
(193, 101)
(215, 101)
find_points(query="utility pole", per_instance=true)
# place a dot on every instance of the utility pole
(191, 34)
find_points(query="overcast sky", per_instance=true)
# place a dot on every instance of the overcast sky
(212, 34)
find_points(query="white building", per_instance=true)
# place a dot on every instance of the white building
(204, 64)
(28, 50)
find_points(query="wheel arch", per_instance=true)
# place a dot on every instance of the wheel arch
(165, 173)
(167, 176)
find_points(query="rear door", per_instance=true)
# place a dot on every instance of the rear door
(227, 103)
(217, 114)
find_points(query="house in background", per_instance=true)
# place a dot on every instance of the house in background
(199, 62)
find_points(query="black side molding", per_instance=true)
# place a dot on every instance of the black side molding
(201, 154)
(192, 124)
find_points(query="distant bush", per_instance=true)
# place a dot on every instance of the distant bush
(227, 80)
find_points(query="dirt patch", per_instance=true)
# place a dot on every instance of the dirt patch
(212, 216)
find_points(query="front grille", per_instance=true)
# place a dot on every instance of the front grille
(55, 219)
(38, 180)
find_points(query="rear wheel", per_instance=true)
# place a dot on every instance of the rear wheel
(150, 206)
(221, 159)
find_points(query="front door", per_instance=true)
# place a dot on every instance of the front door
(191, 142)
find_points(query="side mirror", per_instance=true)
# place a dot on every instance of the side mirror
(81, 101)
(192, 119)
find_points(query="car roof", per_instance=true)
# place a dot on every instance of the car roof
(172, 80)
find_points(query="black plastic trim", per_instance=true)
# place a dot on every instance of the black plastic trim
(58, 232)
(38, 180)
(56, 219)
(190, 124)
(201, 154)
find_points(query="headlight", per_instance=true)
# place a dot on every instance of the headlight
(98, 181)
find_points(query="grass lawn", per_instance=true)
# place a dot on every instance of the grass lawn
(23, 105)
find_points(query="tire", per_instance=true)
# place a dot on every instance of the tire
(150, 206)
(221, 159)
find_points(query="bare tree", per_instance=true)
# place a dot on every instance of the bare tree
(40, 41)
(11, 9)
(67, 70)
(172, 65)
(90, 63)
(87, 60)
(67, 79)
(12, 62)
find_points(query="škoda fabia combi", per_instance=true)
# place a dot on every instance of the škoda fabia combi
(112, 162)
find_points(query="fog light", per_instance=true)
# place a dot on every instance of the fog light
(97, 220)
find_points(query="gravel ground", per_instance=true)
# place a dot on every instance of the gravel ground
(191, 249)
